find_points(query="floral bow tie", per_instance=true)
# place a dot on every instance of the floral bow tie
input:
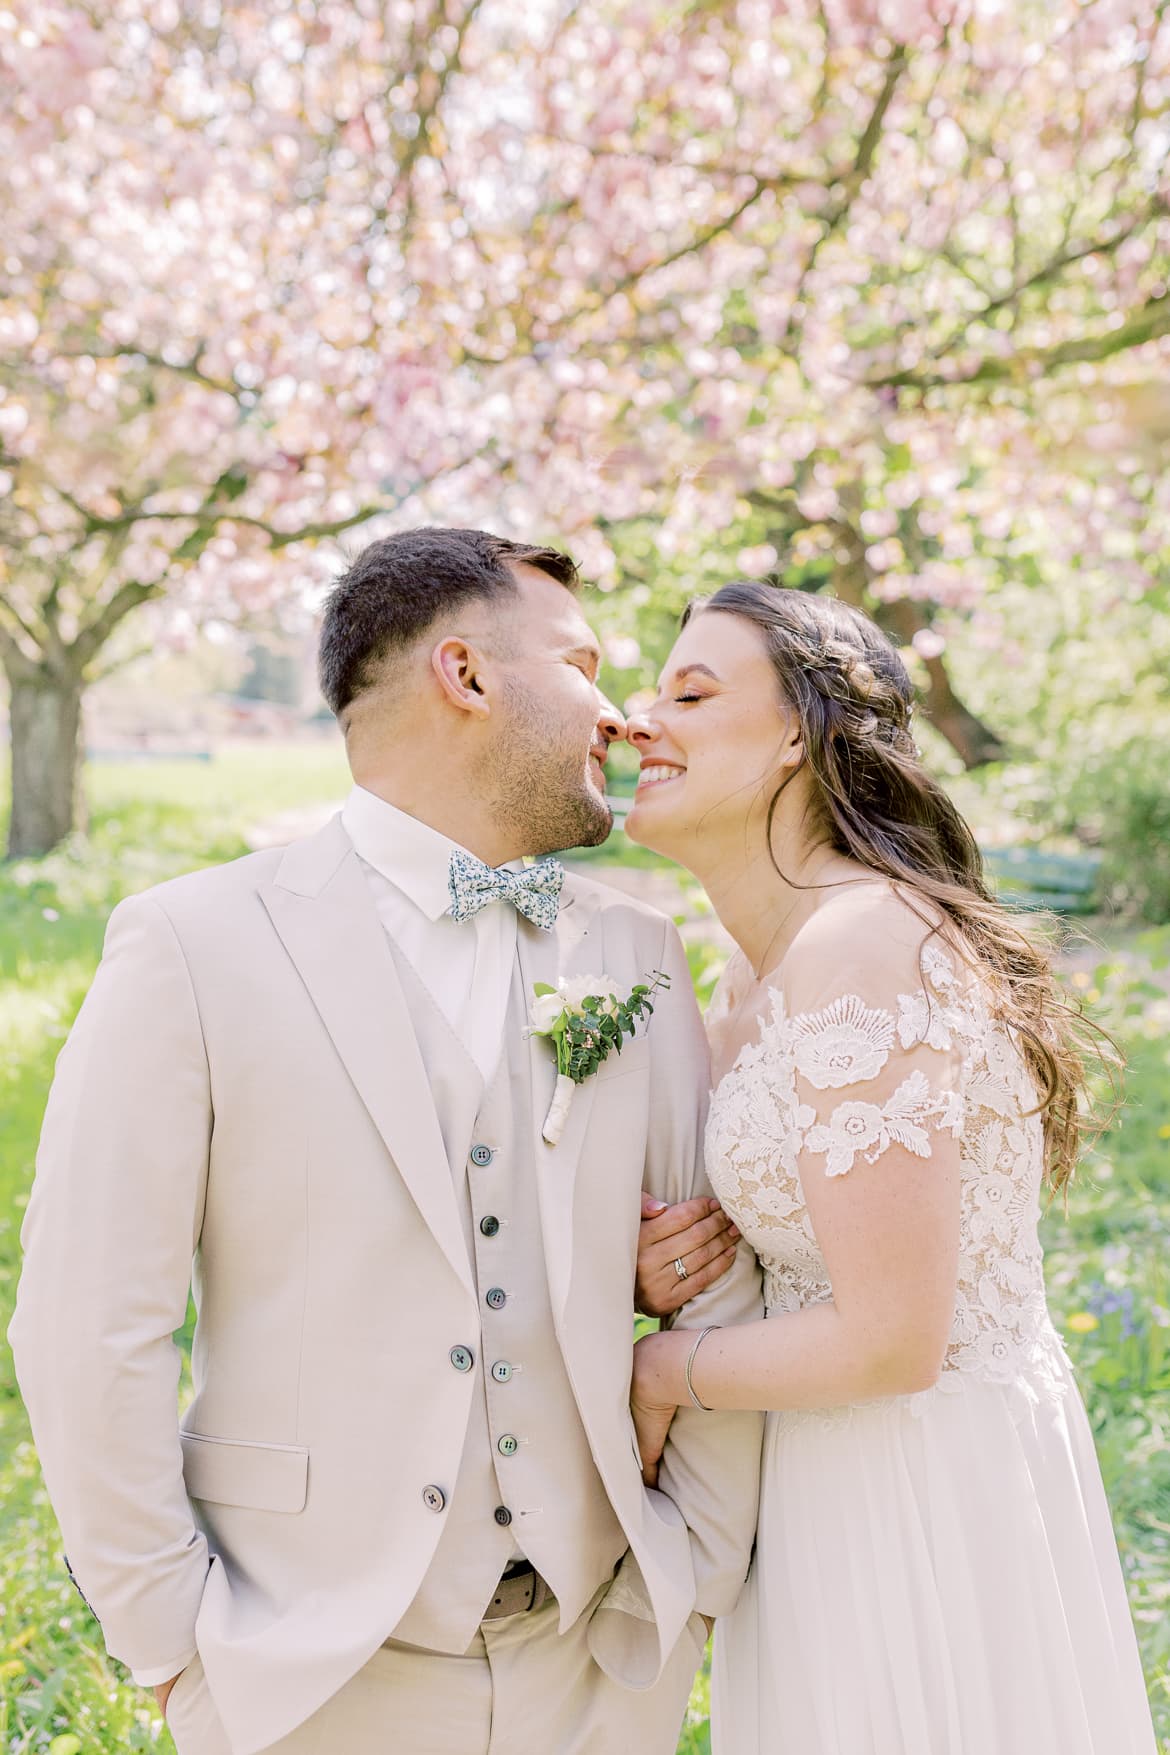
(534, 892)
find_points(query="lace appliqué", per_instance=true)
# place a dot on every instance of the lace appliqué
(863, 1127)
(761, 1129)
(843, 1044)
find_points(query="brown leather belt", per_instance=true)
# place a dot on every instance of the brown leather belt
(519, 1592)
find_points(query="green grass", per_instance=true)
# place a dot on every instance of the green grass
(1108, 1278)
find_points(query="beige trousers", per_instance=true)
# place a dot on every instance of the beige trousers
(520, 1689)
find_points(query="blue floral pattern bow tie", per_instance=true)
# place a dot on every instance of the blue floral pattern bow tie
(534, 892)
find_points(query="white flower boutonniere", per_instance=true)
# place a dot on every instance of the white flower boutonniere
(584, 1019)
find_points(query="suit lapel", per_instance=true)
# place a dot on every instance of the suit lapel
(575, 948)
(320, 905)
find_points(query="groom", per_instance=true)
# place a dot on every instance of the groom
(404, 1509)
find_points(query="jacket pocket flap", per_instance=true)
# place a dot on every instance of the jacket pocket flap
(260, 1477)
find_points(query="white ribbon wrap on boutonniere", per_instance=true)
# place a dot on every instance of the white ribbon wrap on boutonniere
(585, 1020)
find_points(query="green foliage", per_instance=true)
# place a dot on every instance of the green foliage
(1080, 689)
(585, 1035)
(1129, 808)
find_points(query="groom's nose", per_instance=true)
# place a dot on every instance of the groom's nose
(610, 722)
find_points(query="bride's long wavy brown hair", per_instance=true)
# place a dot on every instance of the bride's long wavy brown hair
(876, 803)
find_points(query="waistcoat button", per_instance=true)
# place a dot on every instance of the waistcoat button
(496, 1298)
(481, 1156)
(501, 1371)
(490, 1225)
(503, 1516)
(462, 1358)
(434, 1498)
(508, 1446)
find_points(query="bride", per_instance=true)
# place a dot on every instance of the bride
(896, 1079)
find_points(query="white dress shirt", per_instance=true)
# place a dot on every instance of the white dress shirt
(465, 965)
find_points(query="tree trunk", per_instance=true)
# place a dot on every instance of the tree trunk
(45, 721)
(974, 742)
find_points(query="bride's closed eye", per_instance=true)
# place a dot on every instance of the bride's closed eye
(680, 698)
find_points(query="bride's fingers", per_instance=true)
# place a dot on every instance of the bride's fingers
(698, 1259)
(671, 1292)
(694, 1247)
(682, 1240)
(702, 1239)
(677, 1220)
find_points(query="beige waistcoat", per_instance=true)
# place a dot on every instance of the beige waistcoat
(526, 1454)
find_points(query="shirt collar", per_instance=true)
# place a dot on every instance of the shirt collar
(409, 853)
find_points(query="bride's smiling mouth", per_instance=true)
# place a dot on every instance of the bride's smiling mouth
(658, 774)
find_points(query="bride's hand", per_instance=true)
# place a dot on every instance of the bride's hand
(652, 1406)
(699, 1234)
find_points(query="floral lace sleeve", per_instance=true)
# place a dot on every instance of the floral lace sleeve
(877, 1067)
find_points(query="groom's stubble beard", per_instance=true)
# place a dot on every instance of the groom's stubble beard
(536, 777)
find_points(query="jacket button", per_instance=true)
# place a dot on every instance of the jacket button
(502, 1516)
(501, 1371)
(490, 1225)
(462, 1358)
(508, 1446)
(434, 1498)
(496, 1298)
(481, 1156)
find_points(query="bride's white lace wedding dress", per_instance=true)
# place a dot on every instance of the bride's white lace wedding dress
(935, 1573)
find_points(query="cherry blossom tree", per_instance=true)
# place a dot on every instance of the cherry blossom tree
(217, 344)
(875, 292)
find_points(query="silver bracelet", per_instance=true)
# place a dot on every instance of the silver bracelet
(703, 1333)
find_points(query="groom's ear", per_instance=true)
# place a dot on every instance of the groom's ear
(459, 667)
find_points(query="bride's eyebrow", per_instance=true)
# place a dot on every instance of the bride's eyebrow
(689, 670)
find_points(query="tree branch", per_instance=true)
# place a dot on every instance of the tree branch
(1051, 270)
(974, 742)
(94, 633)
(701, 168)
(852, 181)
(36, 638)
(428, 111)
(1147, 324)
(14, 658)
(188, 369)
(698, 242)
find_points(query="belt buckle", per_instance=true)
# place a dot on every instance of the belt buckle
(517, 1594)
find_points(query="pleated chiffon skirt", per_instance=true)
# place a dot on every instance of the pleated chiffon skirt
(934, 1575)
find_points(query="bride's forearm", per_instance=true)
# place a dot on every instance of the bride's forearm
(810, 1358)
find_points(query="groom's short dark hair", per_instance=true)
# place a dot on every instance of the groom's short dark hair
(397, 587)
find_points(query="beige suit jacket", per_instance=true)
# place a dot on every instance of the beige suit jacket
(241, 1109)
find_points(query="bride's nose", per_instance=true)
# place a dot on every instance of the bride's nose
(640, 730)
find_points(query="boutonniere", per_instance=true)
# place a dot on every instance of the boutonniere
(585, 1020)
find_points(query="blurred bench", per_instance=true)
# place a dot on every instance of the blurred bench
(1025, 878)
